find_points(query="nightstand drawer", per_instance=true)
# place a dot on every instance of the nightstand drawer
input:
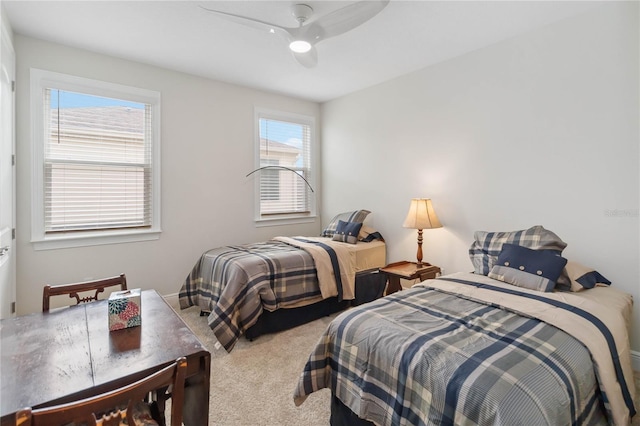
(408, 271)
(431, 273)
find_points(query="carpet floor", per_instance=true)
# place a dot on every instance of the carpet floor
(254, 384)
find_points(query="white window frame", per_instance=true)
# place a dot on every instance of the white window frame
(274, 220)
(41, 80)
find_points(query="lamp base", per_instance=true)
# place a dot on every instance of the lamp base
(419, 254)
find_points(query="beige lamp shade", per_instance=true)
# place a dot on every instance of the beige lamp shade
(421, 215)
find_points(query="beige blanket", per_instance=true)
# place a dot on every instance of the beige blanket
(611, 306)
(324, 267)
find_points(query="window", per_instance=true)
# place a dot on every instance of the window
(96, 163)
(270, 178)
(285, 179)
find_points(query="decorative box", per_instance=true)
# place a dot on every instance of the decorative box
(124, 309)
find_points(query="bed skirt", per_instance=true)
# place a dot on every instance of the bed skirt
(341, 415)
(370, 285)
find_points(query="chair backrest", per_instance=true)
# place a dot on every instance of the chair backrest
(73, 289)
(115, 406)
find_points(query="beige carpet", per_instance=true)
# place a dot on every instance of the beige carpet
(253, 385)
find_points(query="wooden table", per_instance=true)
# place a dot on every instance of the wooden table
(408, 271)
(68, 354)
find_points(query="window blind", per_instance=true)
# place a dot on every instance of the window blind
(285, 151)
(97, 163)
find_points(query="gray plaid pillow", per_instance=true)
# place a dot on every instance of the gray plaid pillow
(354, 216)
(487, 246)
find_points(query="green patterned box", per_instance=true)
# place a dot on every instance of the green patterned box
(124, 309)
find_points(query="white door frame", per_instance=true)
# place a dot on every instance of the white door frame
(7, 174)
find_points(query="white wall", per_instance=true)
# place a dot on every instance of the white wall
(541, 129)
(6, 24)
(207, 149)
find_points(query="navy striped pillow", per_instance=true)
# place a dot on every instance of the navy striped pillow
(347, 232)
(533, 269)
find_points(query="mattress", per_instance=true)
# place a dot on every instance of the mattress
(370, 255)
(367, 256)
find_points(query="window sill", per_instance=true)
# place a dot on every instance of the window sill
(279, 221)
(86, 239)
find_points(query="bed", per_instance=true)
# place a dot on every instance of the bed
(264, 287)
(476, 348)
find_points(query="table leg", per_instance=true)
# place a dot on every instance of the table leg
(394, 284)
(196, 396)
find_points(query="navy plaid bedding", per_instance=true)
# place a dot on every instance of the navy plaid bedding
(428, 357)
(235, 284)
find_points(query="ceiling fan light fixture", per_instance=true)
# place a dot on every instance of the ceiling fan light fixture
(303, 38)
(300, 46)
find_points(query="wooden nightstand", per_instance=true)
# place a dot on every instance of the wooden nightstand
(408, 271)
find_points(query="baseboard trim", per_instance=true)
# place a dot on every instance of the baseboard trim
(172, 299)
(635, 360)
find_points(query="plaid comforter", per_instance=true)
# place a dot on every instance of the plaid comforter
(235, 284)
(430, 356)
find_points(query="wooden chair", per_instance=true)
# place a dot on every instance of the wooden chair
(73, 289)
(112, 408)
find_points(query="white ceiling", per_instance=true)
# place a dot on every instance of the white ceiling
(179, 35)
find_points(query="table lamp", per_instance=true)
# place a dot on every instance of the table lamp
(421, 216)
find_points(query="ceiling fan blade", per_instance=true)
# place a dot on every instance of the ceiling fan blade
(253, 23)
(347, 18)
(308, 59)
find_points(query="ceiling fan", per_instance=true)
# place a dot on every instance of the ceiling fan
(303, 38)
